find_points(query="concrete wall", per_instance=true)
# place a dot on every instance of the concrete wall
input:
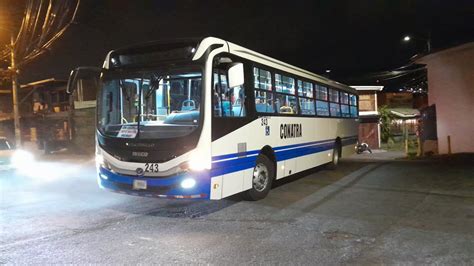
(369, 133)
(451, 88)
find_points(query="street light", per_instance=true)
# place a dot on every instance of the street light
(407, 38)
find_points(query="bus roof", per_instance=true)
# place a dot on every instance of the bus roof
(268, 61)
(203, 44)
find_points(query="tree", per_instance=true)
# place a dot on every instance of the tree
(386, 118)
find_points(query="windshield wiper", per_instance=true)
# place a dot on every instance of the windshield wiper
(154, 85)
(124, 91)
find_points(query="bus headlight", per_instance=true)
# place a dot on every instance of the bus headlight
(188, 183)
(99, 160)
(196, 162)
(199, 163)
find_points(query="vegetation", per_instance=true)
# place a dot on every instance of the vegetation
(397, 144)
(386, 118)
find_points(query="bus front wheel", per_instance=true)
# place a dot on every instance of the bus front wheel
(262, 178)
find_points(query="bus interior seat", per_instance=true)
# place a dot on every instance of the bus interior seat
(286, 110)
(264, 108)
(188, 105)
(226, 108)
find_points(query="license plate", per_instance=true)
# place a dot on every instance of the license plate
(139, 184)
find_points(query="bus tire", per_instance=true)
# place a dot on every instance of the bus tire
(262, 178)
(336, 155)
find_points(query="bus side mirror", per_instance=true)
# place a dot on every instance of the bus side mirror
(71, 82)
(80, 74)
(235, 73)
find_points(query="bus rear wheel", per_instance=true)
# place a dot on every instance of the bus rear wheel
(262, 178)
(335, 157)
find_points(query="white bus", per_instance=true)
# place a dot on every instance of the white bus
(208, 119)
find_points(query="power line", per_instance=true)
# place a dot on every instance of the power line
(44, 21)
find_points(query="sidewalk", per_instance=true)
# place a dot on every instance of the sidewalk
(377, 155)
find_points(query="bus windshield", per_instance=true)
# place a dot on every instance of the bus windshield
(150, 105)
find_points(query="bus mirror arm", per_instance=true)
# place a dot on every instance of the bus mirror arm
(80, 73)
(235, 74)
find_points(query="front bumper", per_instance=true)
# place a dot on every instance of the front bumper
(160, 187)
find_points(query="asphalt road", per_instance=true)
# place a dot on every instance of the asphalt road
(364, 213)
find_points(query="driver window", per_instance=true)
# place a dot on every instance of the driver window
(227, 102)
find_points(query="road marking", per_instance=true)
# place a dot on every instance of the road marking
(321, 196)
(4, 247)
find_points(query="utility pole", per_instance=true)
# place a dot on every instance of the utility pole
(14, 76)
(428, 42)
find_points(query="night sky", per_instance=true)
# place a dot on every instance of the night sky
(349, 37)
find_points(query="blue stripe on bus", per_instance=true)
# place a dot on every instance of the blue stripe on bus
(298, 145)
(348, 141)
(238, 164)
(290, 154)
(232, 155)
(344, 141)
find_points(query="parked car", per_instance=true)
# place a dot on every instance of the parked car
(6, 153)
(12, 158)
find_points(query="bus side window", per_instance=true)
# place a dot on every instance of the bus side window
(264, 102)
(322, 105)
(334, 103)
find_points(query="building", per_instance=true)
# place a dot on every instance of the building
(404, 107)
(451, 93)
(369, 127)
(49, 120)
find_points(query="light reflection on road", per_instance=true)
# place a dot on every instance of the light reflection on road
(47, 171)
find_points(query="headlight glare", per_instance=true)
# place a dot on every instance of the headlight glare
(188, 183)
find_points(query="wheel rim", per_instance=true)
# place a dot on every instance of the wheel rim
(260, 177)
